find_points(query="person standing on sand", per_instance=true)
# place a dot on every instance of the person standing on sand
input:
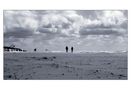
(35, 49)
(66, 49)
(72, 49)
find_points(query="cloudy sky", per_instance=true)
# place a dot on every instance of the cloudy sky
(85, 30)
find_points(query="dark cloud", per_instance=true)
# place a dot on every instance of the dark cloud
(45, 30)
(65, 25)
(98, 32)
(47, 26)
(18, 32)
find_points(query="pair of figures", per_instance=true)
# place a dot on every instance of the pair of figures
(67, 49)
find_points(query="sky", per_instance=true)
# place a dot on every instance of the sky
(85, 30)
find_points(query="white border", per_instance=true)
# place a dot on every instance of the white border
(63, 84)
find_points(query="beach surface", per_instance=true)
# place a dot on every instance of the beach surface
(65, 66)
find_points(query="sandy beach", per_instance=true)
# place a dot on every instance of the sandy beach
(65, 66)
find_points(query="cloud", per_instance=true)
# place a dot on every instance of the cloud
(48, 30)
(18, 32)
(99, 32)
(113, 18)
(62, 27)
(62, 22)
(23, 19)
(106, 23)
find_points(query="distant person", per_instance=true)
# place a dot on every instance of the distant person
(72, 49)
(35, 49)
(66, 49)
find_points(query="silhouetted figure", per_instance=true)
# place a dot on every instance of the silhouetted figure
(35, 49)
(72, 49)
(66, 49)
